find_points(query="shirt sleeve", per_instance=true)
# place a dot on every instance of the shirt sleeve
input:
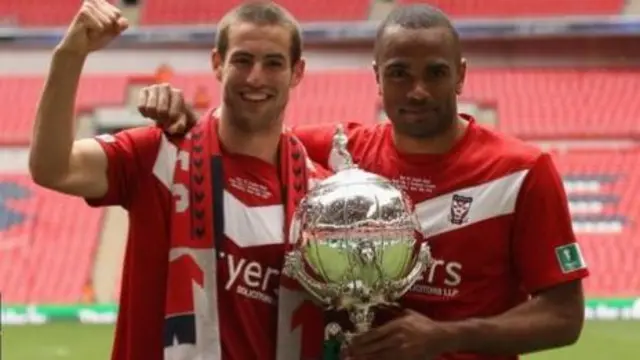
(545, 247)
(130, 155)
(318, 139)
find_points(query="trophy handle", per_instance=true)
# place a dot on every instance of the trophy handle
(293, 268)
(400, 287)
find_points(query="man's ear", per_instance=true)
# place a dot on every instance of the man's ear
(376, 73)
(374, 66)
(298, 72)
(462, 75)
(216, 63)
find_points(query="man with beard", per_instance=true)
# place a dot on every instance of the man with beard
(205, 210)
(507, 278)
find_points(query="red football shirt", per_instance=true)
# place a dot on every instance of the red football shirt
(139, 183)
(493, 209)
(141, 167)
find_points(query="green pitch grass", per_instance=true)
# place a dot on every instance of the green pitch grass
(71, 341)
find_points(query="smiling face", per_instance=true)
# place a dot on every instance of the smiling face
(419, 73)
(256, 74)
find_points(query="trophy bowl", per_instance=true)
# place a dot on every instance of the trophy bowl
(356, 244)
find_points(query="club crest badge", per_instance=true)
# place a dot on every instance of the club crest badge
(460, 206)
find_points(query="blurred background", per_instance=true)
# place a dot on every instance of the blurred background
(560, 73)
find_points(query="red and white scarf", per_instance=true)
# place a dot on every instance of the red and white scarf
(197, 232)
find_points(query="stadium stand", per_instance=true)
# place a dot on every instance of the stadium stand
(47, 243)
(22, 93)
(600, 183)
(35, 13)
(576, 104)
(560, 103)
(528, 8)
(160, 12)
(601, 186)
(61, 261)
(38, 227)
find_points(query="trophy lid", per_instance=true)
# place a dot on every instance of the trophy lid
(353, 197)
(353, 176)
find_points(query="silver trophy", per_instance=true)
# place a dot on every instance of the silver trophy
(356, 244)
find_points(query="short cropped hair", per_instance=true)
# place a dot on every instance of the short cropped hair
(260, 13)
(418, 16)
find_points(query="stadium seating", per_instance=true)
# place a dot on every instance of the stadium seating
(352, 96)
(47, 243)
(34, 13)
(159, 12)
(38, 13)
(528, 8)
(46, 254)
(31, 13)
(47, 240)
(22, 93)
(560, 103)
(530, 103)
(602, 188)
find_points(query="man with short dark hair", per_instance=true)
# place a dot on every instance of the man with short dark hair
(208, 214)
(508, 269)
(508, 273)
(260, 13)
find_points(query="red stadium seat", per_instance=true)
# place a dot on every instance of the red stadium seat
(35, 13)
(530, 103)
(38, 13)
(47, 256)
(525, 8)
(351, 95)
(22, 93)
(560, 103)
(47, 251)
(159, 12)
(610, 252)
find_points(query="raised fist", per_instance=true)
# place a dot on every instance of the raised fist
(93, 27)
(166, 106)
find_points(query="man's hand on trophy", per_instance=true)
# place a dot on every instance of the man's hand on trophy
(411, 336)
(166, 106)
